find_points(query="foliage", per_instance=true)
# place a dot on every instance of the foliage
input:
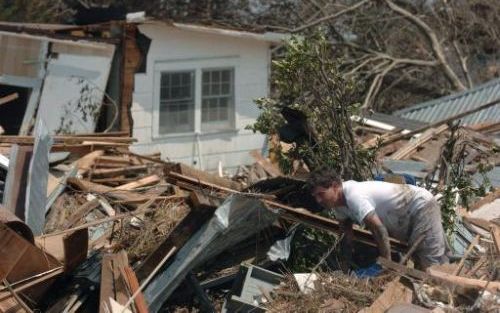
(455, 183)
(308, 80)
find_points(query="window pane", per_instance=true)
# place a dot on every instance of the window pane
(176, 102)
(217, 99)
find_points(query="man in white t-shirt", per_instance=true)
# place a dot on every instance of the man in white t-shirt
(401, 211)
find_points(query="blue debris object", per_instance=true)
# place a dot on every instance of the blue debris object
(370, 271)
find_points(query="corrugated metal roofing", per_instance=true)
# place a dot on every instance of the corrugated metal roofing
(442, 108)
(396, 121)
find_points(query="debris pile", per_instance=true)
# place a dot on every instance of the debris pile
(88, 225)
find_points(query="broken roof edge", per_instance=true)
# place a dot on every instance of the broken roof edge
(272, 37)
(210, 28)
(76, 41)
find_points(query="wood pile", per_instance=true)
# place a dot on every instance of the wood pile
(117, 221)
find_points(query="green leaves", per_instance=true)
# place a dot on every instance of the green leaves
(308, 79)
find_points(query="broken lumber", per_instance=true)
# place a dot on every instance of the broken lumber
(464, 282)
(398, 137)
(90, 187)
(27, 140)
(270, 168)
(85, 163)
(146, 181)
(495, 235)
(207, 178)
(9, 98)
(113, 285)
(81, 212)
(412, 146)
(179, 235)
(328, 224)
(119, 171)
(394, 293)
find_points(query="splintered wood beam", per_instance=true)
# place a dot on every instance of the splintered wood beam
(119, 171)
(270, 168)
(90, 187)
(85, 163)
(146, 181)
(68, 139)
(328, 224)
(113, 283)
(412, 146)
(474, 242)
(81, 212)
(9, 98)
(467, 283)
(495, 234)
(208, 178)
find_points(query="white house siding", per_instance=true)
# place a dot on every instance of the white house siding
(174, 49)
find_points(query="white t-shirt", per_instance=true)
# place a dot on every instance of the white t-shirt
(393, 203)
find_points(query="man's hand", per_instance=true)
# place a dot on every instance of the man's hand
(374, 224)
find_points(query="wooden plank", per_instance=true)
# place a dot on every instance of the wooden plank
(69, 249)
(176, 238)
(143, 208)
(114, 160)
(208, 178)
(119, 171)
(112, 281)
(9, 98)
(27, 140)
(146, 181)
(139, 300)
(331, 225)
(402, 270)
(495, 234)
(474, 242)
(464, 282)
(394, 293)
(106, 289)
(412, 146)
(85, 163)
(105, 190)
(21, 259)
(485, 200)
(270, 168)
(17, 179)
(81, 212)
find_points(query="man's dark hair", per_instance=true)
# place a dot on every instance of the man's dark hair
(324, 177)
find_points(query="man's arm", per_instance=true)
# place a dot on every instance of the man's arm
(374, 224)
(346, 243)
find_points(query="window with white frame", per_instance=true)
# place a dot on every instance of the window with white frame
(217, 99)
(183, 93)
(177, 102)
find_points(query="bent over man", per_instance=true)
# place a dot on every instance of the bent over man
(404, 212)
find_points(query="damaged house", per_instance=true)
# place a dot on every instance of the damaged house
(183, 90)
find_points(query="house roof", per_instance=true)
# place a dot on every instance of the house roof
(396, 121)
(442, 108)
(209, 27)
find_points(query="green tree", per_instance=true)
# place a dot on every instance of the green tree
(308, 83)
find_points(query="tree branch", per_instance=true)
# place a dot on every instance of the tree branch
(329, 17)
(435, 44)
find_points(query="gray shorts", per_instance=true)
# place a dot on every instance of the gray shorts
(427, 222)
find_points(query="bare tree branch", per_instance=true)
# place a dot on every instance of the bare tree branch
(329, 17)
(435, 44)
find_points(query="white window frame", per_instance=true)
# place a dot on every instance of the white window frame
(196, 65)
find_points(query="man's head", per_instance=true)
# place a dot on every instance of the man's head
(326, 188)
